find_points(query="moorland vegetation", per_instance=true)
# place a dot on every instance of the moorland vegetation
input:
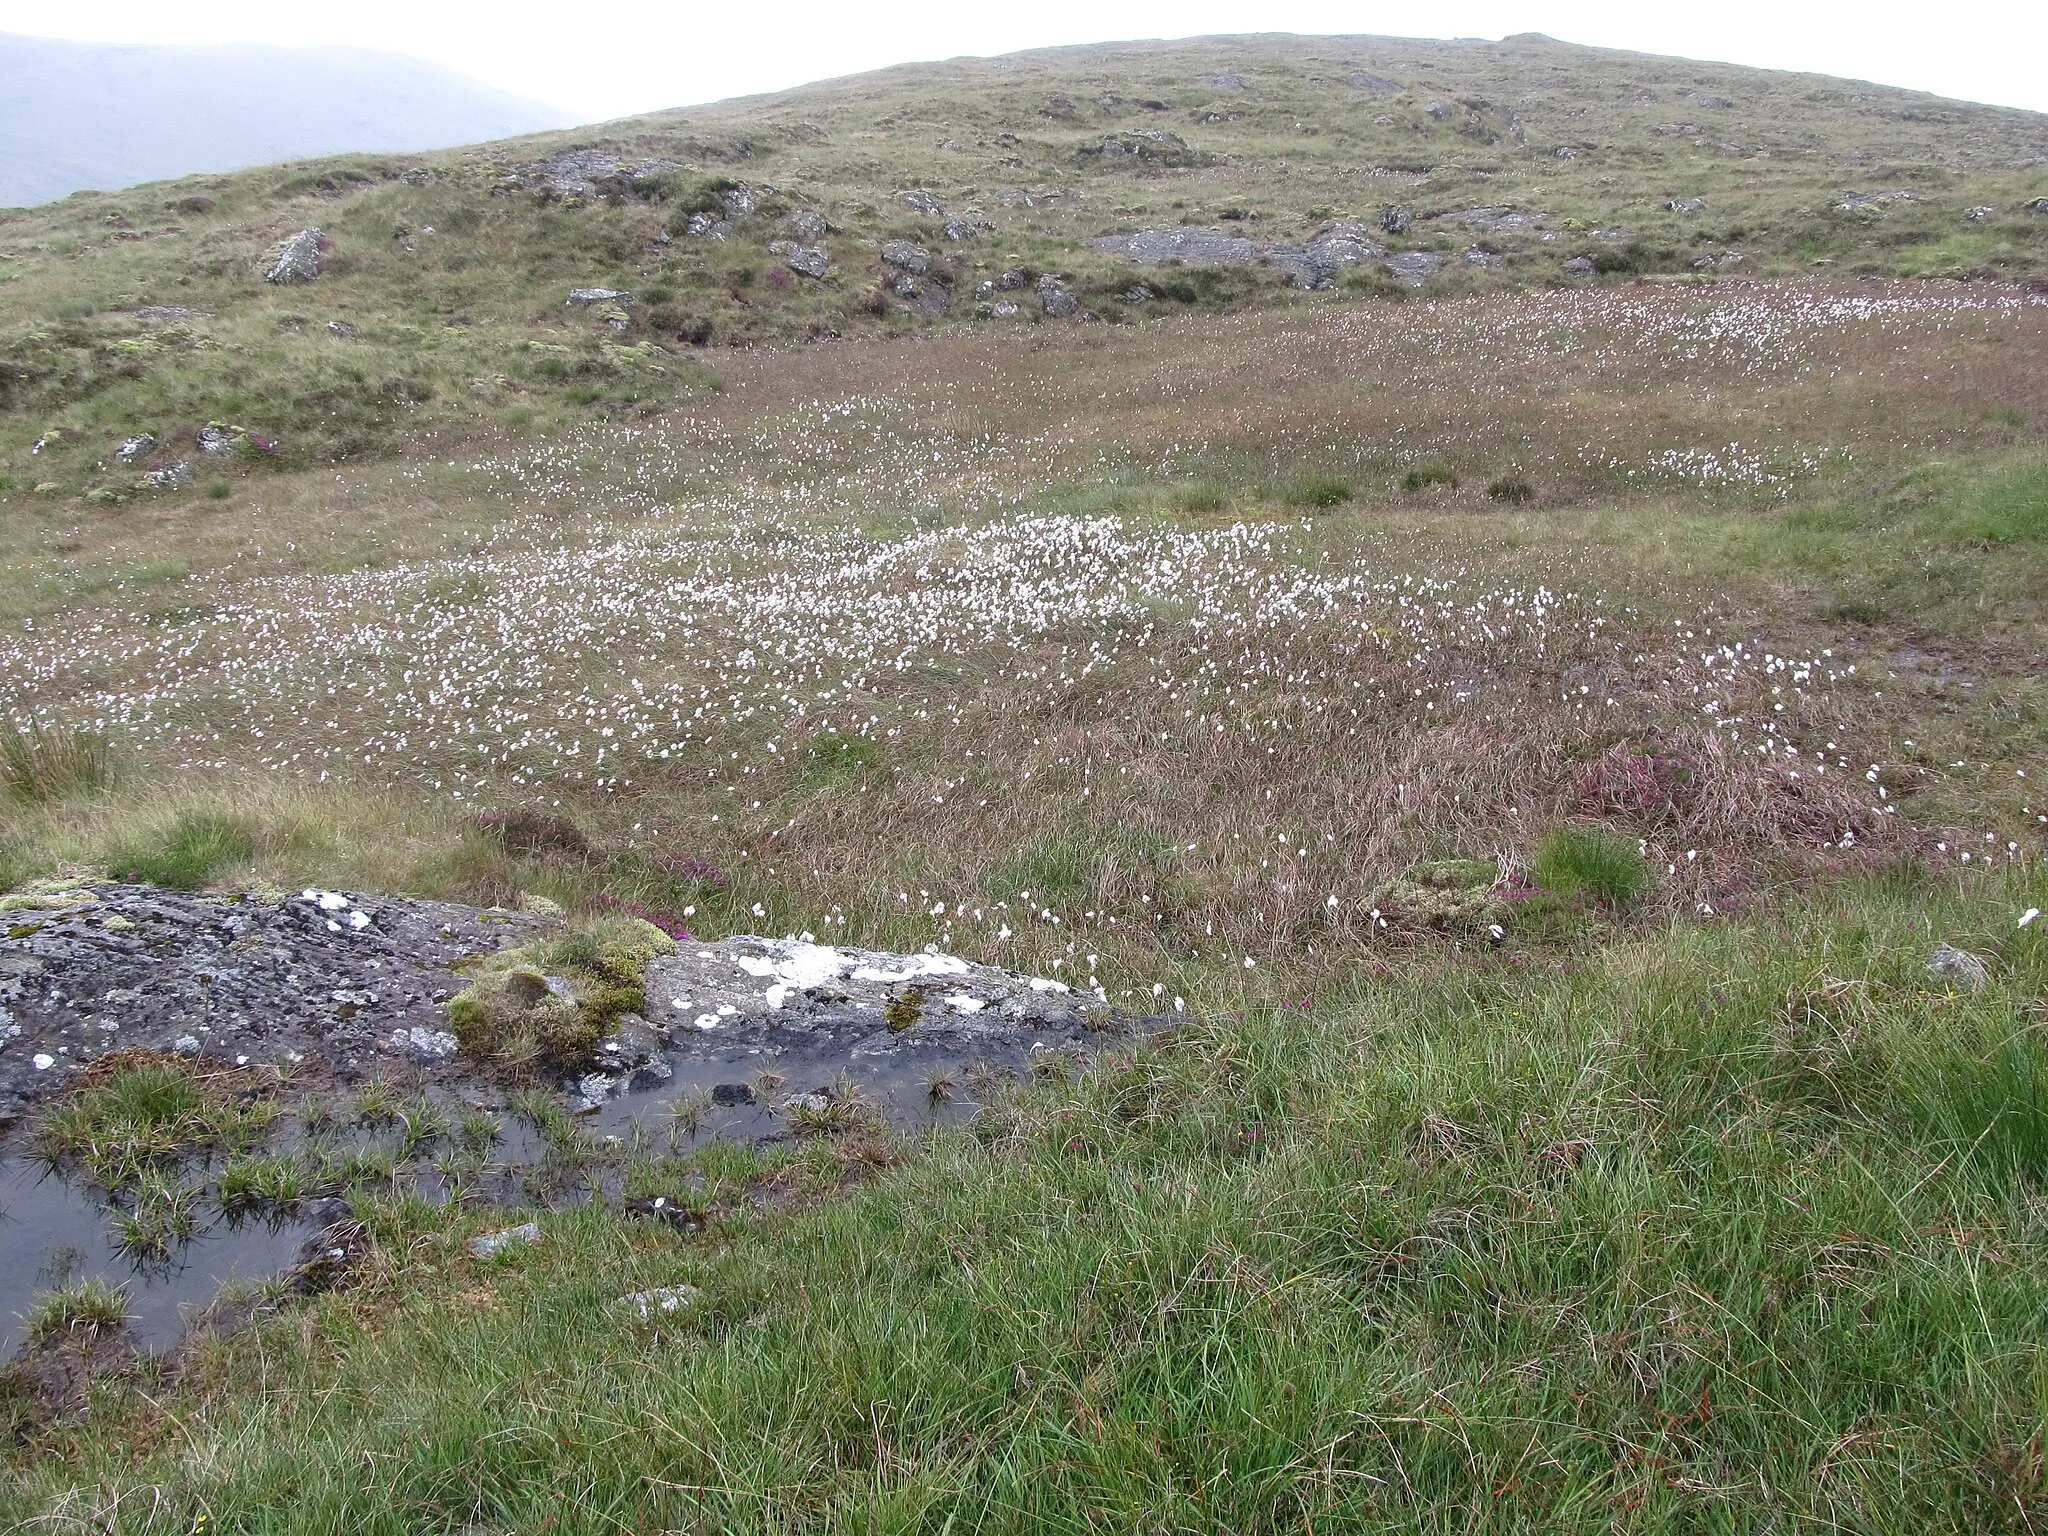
(1529, 732)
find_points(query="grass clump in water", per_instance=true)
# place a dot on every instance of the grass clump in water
(545, 1005)
(1592, 865)
(90, 1306)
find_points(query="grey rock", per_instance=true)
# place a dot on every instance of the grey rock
(1957, 968)
(964, 229)
(214, 439)
(237, 975)
(1226, 82)
(164, 479)
(579, 297)
(738, 202)
(1984, 212)
(1396, 220)
(1716, 103)
(811, 260)
(1440, 110)
(1369, 82)
(807, 225)
(490, 1244)
(1476, 256)
(1566, 152)
(708, 226)
(345, 329)
(298, 259)
(1202, 247)
(1056, 300)
(2037, 205)
(907, 256)
(921, 201)
(663, 1301)
(1414, 267)
(160, 312)
(1006, 308)
(1497, 221)
(135, 447)
(1580, 266)
(1012, 281)
(1685, 205)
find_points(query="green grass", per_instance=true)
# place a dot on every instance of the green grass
(1592, 864)
(44, 763)
(1700, 1232)
(88, 1306)
(184, 853)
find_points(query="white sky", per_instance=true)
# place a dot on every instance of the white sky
(625, 56)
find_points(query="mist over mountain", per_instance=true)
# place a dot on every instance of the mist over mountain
(76, 115)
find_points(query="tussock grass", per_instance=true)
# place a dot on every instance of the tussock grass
(42, 763)
(89, 1306)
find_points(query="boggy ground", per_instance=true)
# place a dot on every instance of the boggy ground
(1538, 740)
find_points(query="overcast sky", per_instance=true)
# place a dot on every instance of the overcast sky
(626, 56)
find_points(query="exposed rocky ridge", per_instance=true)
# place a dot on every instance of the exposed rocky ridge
(339, 986)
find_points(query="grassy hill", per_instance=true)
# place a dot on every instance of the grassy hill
(442, 305)
(1530, 732)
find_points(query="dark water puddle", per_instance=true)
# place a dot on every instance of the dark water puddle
(726, 1097)
(54, 1231)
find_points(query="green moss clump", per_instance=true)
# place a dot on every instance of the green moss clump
(544, 1006)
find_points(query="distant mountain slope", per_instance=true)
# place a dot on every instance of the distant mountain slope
(76, 115)
(544, 281)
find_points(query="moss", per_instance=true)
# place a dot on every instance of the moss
(545, 1005)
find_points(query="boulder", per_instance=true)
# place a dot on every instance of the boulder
(1056, 300)
(807, 225)
(1414, 268)
(1441, 110)
(1685, 205)
(810, 260)
(907, 256)
(579, 297)
(135, 447)
(709, 226)
(1580, 266)
(1396, 220)
(921, 201)
(298, 259)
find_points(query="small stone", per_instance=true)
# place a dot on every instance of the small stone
(1957, 968)
(491, 1244)
(663, 1301)
(135, 447)
(345, 329)
(1685, 205)
(1580, 266)
(187, 1045)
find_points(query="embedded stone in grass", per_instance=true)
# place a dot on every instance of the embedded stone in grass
(1957, 968)
(490, 1244)
(663, 1301)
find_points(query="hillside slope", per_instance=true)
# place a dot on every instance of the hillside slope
(1108, 183)
(77, 115)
